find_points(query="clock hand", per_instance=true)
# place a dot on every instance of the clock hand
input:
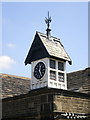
(40, 70)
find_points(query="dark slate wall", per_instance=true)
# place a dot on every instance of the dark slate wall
(37, 51)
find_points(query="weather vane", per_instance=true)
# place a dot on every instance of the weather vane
(47, 21)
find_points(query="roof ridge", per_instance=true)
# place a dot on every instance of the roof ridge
(14, 76)
(80, 70)
(46, 35)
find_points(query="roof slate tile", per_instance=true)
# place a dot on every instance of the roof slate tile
(54, 47)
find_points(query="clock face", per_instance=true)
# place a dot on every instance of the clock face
(39, 70)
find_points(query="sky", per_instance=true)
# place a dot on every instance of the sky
(21, 20)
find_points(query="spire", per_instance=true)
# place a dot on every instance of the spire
(47, 21)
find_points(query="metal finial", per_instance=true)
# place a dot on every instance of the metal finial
(47, 21)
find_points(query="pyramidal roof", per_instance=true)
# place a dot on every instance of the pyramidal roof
(50, 47)
(54, 47)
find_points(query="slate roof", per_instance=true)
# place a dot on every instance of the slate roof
(79, 81)
(14, 85)
(43, 47)
(54, 47)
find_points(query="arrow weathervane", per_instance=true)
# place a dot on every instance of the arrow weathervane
(47, 21)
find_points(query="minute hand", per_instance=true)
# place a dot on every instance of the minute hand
(40, 70)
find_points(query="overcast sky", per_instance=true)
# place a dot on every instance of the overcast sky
(21, 20)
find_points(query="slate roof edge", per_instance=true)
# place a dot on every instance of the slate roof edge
(21, 77)
(80, 70)
(46, 35)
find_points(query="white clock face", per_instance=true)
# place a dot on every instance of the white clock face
(39, 70)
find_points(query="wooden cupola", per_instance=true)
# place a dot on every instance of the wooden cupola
(47, 57)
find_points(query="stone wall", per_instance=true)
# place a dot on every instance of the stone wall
(22, 108)
(71, 104)
(42, 103)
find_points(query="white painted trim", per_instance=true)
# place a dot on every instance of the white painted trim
(62, 85)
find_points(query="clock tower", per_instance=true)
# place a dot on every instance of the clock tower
(47, 57)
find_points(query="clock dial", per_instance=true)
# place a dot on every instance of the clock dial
(39, 70)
